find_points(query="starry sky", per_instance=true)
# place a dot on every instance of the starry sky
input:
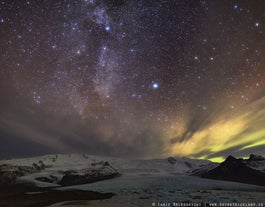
(132, 78)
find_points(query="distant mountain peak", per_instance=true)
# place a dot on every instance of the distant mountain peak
(171, 160)
(230, 158)
(239, 170)
(253, 157)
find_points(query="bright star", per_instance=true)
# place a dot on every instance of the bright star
(155, 86)
(107, 28)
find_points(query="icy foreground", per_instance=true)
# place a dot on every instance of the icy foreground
(134, 182)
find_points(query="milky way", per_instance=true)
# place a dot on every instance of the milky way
(132, 78)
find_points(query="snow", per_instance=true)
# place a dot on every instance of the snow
(139, 183)
(59, 163)
(257, 165)
(143, 182)
(144, 190)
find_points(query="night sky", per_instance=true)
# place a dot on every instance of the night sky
(140, 79)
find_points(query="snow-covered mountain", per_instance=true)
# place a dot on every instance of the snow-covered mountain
(75, 177)
(74, 169)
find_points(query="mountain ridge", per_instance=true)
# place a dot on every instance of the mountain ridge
(76, 169)
(250, 171)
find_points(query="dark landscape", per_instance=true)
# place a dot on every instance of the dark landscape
(239, 170)
(132, 103)
(23, 195)
(78, 179)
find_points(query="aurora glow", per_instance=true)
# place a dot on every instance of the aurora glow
(238, 132)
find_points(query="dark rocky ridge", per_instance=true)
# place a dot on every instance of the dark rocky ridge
(95, 172)
(237, 170)
(76, 179)
(256, 158)
(9, 173)
(83, 176)
(171, 160)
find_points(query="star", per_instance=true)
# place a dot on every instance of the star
(155, 86)
(235, 6)
(116, 68)
(107, 28)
